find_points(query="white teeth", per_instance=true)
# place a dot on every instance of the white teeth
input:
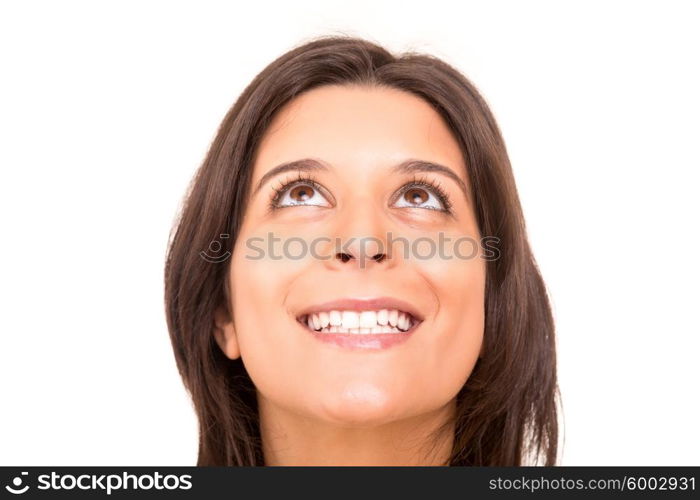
(336, 318)
(368, 319)
(403, 322)
(325, 319)
(351, 319)
(393, 317)
(359, 322)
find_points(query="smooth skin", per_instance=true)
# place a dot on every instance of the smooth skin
(321, 404)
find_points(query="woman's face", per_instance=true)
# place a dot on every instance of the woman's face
(401, 333)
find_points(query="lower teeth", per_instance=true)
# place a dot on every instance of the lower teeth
(330, 329)
(377, 330)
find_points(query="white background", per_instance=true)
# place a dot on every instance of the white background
(107, 109)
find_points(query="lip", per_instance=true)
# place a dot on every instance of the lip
(366, 341)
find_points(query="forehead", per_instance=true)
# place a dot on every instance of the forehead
(357, 125)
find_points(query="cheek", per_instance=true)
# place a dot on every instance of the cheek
(257, 289)
(452, 340)
(267, 333)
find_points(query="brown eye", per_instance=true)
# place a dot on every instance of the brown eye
(416, 196)
(301, 194)
(419, 196)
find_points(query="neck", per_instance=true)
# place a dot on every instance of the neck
(291, 439)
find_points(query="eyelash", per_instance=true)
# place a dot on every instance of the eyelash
(421, 182)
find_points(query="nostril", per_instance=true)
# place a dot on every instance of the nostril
(343, 256)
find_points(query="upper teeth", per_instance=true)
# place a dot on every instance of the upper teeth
(381, 321)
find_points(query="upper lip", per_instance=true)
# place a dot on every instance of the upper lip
(358, 304)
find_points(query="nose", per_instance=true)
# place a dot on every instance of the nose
(361, 237)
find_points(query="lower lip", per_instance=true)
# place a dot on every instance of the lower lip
(370, 341)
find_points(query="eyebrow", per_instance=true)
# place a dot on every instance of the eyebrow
(412, 166)
(405, 167)
(303, 165)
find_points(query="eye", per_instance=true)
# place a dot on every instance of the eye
(300, 193)
(422, 195)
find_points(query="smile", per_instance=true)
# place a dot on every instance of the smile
(361, 323)
(391, 321)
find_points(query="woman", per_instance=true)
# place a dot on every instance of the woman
(321, 302)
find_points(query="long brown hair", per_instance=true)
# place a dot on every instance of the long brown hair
(507, 409)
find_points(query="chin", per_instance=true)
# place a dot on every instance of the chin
(360, 405)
